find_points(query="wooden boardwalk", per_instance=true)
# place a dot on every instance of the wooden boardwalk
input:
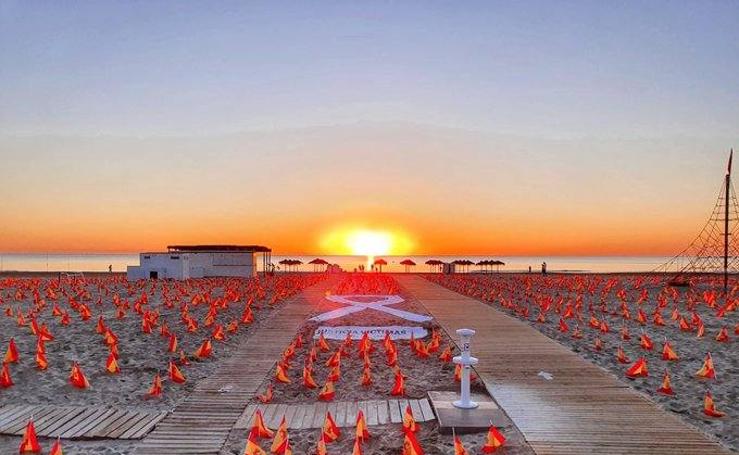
(583, 410)
(79, 422)
(202, 422)
(307, 416)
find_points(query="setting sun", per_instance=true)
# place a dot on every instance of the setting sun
(370, 243)
(363, 241)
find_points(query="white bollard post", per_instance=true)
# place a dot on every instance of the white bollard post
(465, 336)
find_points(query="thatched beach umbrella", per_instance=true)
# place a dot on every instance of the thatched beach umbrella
(484, 264)
(497, 265)
(434, 263)
(408, 264)
(380, 262)
(318, 262)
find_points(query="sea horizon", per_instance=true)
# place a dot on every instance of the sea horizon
(99, 262)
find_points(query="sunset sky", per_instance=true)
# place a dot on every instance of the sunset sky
(509, 128)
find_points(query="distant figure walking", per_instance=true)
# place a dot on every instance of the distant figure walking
(110, 268)
(543, 268)
(529, 269)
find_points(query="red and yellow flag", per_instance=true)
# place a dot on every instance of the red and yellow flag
(77, 377)
(330, 431)
(29, 444)
(638, 369)
(252, 444)
(709, 408)
(11, 355)
(175, 375)
(156, 387)
(111, 365)
(666, 387)
(458, 447)
(328, 392)
(399, 386)
(707, 371)
(259, 427)
(361, 431)
(668, 353)
(411, 445)
(281, 374)
(205, 350)
(279, 443)
(493, 441)
(5, 379)
(409, 423)
(56, 449)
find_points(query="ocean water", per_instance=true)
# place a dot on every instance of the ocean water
(96, 262)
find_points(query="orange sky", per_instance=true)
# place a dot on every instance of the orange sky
(446, 191)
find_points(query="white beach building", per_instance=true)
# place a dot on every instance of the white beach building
(181, 262)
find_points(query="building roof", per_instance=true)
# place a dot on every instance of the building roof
(206, 248)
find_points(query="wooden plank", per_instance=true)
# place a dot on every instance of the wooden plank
(44, 423)
(19, 415)
(372, 412)
(297, 417)
(134, 419)
(428, 413)
(341, 414)
(85, 429)
(81, 423)
(383, 412)
(320, 415)
(73, 421)
(416, 408)
(395, 415)
(310, 411)
(102, 428)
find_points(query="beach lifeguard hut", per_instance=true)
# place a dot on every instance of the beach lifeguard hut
(181, 262)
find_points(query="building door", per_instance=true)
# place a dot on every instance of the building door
(153, 275)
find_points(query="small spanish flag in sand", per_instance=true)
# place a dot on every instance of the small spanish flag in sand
(493, 441)
(411, 445)
(11, 355)
(252, 444)
(111, 365)
(707, 371)
(328, 392)
(175, 375)
(357, 448)
(279, 443)
(638, 369)
(77, 377)
(361, 431)
(321, 445)
(458, 447)
(666, 388)
(709, 408)
(668, 353)
(5, 379)
(409, 423)
(259, 427)
(156, 387)
(205, 350)
(399, 386)
(56, 449)
(29, 444)
(281, 374)
(330, 431)
(308, 380)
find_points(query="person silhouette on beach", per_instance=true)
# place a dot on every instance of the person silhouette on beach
(543, 268)
(110, 268)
